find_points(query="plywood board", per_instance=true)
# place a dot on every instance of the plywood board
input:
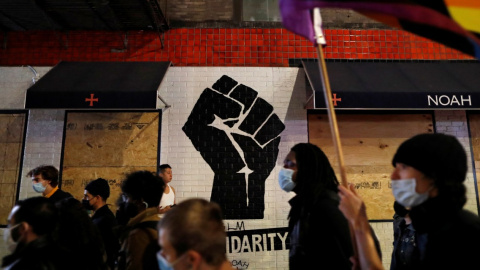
(108, 145)
(11, 144)
(474, 124)
(369, 142)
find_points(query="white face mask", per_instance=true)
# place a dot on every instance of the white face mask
(405, 194)
(7, 237)
(285, 179)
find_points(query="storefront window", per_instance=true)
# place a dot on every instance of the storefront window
(261, 10)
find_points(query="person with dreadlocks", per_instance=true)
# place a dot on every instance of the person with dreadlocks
(319, 233)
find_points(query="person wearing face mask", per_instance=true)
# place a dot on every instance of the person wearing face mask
(192, 236)
(45, 181)
(318, 231)
(427, 183)
(28, 236)
(95, 198)
(142, 191)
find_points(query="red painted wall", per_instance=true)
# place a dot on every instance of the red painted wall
(214, 47)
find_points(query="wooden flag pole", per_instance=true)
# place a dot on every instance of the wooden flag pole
(327, 92)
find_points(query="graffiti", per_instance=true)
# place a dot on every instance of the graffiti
(368, 185)
(110, 126)
(71, 126)
(84, 182)
(257, 240)
(237, 134)
(68, 183)
(240, 264)
(88, 126)
(115, 182)
(127, 126)
(238, 227)
(113, 126)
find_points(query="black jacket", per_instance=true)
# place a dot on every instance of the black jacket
(452, 235)
(319, 234)
(105, 221)
(407, 245)
(39, 254)
(59, 195)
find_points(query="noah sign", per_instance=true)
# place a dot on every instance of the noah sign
(449, 100)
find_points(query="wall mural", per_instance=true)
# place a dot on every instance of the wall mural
(237, 134)
(242, 241)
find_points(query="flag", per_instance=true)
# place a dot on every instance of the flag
(454, 23)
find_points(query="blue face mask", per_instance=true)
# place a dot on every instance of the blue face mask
(38, 187)
(163, 264)
(405, 194)
(285, 179)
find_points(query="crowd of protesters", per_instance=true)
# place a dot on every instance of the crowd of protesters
(327, 221)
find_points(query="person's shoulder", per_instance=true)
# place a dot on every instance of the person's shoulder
(143, 230)
(59, 195)
(469, 220)
(62, 194)
(105, 210)
(104, 216)
(327, 198)
(35, 256)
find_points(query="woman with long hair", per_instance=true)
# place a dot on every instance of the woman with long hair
(319, 233)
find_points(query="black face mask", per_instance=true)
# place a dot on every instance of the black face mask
(86, 204)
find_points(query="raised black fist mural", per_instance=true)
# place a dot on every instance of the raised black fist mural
(237, 134)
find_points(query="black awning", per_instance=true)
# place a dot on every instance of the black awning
(98, 85)
(398, 85)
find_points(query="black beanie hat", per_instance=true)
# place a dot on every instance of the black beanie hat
(438, 156)
(99, 187)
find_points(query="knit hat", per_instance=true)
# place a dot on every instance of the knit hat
(99, 187)
(438, 156)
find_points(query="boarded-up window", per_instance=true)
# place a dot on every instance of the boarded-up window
(369, 141)
(108, 145)
(12, 134)
(474, 126)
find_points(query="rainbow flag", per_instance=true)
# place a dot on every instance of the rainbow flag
(454, 23)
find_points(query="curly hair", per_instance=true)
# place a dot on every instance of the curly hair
(47, 172)
(144, 185)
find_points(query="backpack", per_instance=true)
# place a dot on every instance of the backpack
(149, 259)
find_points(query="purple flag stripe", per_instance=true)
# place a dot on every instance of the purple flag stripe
(402, 10)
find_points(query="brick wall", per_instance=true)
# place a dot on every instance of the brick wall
(216, 47)
(283, 88)
(255, 57)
